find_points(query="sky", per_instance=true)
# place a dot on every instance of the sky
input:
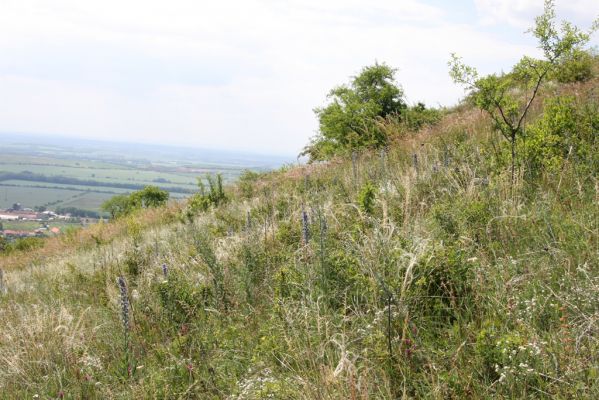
(238, 74)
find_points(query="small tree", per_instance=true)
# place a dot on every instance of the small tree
(349, 120)
(150, 196)
(118, 205)
(122, 204)
(507, 98)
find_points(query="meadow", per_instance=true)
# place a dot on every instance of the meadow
(421, 270)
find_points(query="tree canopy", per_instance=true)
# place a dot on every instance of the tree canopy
(507, 98)
(349, 120)
(123, 204)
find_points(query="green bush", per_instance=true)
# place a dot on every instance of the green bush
(444, 283)
(553, 137)
(206, 198)
(25, 244)
(247, 183)
(350, 120)
(181, 300)
(121, 205)
(367, 198)
(418, 116)
(576, 67)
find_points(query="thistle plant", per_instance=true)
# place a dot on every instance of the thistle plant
(125, 314)
(305, 227)
(124, 303)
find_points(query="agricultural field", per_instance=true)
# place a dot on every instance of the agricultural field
(33, 225)
(57, 173)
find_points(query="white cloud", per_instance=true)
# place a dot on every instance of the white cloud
(521, 13)
(243, 74)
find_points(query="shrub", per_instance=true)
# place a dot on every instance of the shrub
(577, 67)
(367, 197)
(26, 244)
(205, 199)
(552, 138)
(120, 205)
(247, 183)
(181, 300)
(418, 116)
(349, 121)
(444, 282)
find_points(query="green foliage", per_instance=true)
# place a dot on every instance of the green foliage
(462, 286)
(576, 67)
(548, 140)
(150, 196)
(206, 198)
(24, 244)
(445, 282)
(182, 301)
(564, 131)
(367, 198)
(419, 116)
(500, 96)
(247, 183)
(350, 120)
(121, 205)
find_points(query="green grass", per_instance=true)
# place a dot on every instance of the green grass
(105, 175)
(32, 225)
(107, 189)
(32, 196)
(87, 201)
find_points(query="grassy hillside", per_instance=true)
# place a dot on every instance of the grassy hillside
(415, 272)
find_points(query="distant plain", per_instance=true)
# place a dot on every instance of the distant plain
(57, 172)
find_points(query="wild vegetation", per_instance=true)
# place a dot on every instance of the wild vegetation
(419, 269)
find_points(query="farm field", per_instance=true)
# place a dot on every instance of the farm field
(34, 196)
(58, 173)
(32, 225)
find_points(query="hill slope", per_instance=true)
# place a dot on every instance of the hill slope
(415, 272)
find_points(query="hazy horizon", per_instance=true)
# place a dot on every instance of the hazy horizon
(240, 75)
(29, 137)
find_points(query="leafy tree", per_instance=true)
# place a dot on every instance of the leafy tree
(122, 204)
(349, 121)
(507, 98)
(150, 196)
(118, 205)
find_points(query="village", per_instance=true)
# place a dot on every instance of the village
(18, 222)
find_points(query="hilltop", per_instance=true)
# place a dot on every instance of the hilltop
(422, 253)
(415, 271)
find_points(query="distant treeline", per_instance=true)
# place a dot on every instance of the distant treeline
(50, 186)
(33, 177)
